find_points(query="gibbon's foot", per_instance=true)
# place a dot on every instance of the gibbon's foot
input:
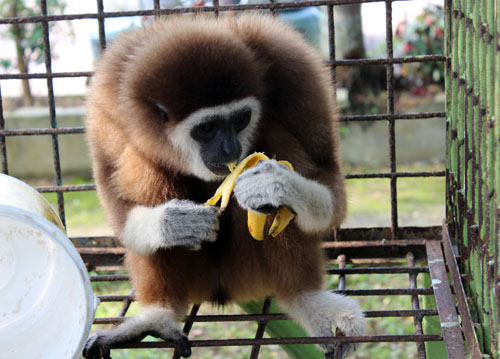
(96, 348)
(319, 311)
(155, 321)
(176, 223)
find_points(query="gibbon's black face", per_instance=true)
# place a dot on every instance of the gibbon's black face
(212, 137)
(218, 138)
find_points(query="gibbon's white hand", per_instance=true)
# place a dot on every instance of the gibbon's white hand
(176, 223)
(187, 224)
(270, 184)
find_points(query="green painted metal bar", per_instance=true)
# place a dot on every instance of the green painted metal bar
(473, 110)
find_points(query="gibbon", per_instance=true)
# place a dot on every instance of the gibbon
(171, 105)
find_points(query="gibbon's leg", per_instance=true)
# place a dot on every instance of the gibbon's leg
(318, 311)
(156, 321)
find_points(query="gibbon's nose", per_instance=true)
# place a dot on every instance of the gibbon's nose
(231, 149)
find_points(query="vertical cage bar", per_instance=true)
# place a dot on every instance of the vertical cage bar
(447, 52)
(156, 6)
(331, 45)
(100, 22)
(216, 8)
(188, 325)
(273, 11)
(497, 169)
(485, 221)
(468, 203)
(477, 274)
(3, 145)
(52, 108)
(342, 260)
(460, 99)
(126, 304)
(415, 305)
(390, 110)
(260, 329)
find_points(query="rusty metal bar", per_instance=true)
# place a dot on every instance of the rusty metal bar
(66, 188)
(281, 316)
(342, 261)
(331, 271)
(350, 292)
(417, 320)
(332, 63)
(396, 174)
(42, 131)
(52, 109)
(331, 46)
(390, 111)
(267, 6)
(126, 305)
(379, 270)
(100, 21)
(450, 327)
(380, 243)
(261, 328)
(44, 75)
(389, 61)
(188, 325)
(463, 309)
(3, 146)
(280, 341)
(393, 116)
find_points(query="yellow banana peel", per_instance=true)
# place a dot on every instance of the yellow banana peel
(256, 221)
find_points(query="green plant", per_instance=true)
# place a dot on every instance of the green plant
(28, 37)
(425, 35)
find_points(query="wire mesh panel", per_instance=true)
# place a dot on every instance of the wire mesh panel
(367, 262)
(391, 117)
(410, 307)
(473, 159)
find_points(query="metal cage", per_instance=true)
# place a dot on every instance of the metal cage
(423, 257)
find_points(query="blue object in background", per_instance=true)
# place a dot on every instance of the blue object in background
(307, 21)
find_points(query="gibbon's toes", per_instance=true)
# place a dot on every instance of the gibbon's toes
(183, 346)
(96, 349)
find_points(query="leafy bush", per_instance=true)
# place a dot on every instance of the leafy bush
(424, 36)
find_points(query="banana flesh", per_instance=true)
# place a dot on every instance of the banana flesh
(256, 221)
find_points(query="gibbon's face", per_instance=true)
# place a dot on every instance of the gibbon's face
(200, 100)
(213, 137)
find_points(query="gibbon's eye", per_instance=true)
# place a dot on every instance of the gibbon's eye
(163, 112)
(204, 131)
(207, 127)
(241, 119)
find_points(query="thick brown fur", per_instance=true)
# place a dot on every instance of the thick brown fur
(188, 64)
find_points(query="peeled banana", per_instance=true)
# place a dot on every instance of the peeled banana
(256, 221)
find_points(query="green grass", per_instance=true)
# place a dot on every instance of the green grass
(420, 200)
(84, 213)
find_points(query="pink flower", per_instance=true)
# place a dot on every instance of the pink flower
(408, 48)
(428, 20)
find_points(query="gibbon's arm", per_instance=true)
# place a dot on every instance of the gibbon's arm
(145, 229)
(270, 185)
(176, 223)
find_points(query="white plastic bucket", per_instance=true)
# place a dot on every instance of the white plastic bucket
(46, 301)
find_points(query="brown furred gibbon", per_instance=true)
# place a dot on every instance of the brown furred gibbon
(170, 106)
